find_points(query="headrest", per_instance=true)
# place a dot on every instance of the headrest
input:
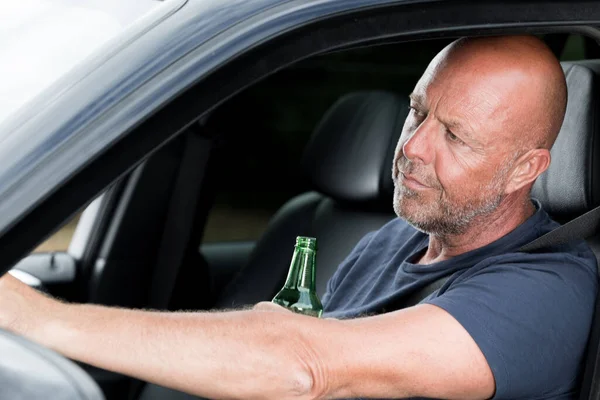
(349, 157)
(569, 187)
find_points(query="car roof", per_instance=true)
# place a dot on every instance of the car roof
(47, 40)
(57, 120)
(44, 39)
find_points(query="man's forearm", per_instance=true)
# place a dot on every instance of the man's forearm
(264, 353)
(236, 354)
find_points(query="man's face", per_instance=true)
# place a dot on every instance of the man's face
(454, 156)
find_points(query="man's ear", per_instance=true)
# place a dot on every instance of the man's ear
(527, 168)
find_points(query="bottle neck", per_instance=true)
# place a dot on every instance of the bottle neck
(302, 271)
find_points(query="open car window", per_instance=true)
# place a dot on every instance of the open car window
(255, 180)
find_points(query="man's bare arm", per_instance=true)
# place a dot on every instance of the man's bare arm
(421, 351)
(254, 354)
(248, 354)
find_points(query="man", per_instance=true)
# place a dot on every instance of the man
(505, 325)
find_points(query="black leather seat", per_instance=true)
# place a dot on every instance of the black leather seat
(569, 188)
(349, 162)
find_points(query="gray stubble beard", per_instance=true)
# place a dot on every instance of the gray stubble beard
(449, 219)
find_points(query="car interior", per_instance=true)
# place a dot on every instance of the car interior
(210, 201)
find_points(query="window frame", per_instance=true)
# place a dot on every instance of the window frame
(369, 26)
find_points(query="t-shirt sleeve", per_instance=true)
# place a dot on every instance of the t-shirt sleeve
(347, 263)
(531, 322)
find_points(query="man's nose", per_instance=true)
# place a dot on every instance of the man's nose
(418, 146)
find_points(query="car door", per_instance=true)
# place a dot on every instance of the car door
(166, 118)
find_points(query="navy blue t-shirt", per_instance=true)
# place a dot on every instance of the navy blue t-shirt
(530, 314)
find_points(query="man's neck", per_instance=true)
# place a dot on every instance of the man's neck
(483, 231)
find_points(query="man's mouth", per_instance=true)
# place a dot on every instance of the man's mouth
(411, 182)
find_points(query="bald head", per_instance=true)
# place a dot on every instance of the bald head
(483, 117)
(523, 75)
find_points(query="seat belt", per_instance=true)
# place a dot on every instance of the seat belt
(581, 227)
(179, 219)
(418, 296)
(578, 228)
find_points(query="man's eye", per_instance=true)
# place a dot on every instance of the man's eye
(452, 137)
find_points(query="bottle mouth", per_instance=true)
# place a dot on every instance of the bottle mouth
(306, 242)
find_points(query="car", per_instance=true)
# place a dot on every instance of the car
(160, 127)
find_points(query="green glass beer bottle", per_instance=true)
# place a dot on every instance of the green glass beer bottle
(299, 293)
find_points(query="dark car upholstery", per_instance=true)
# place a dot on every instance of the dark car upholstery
(569, 187)
(349, 161)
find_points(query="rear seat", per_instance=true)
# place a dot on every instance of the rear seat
(349, 162)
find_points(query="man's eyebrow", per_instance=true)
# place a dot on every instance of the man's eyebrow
(454, 124)
(458, 127)
(417, 98)
(451, 124)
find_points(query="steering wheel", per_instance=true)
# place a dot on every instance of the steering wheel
(31, 371)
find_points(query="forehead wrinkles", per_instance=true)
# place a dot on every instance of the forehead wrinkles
(481, 105)
(452, 106)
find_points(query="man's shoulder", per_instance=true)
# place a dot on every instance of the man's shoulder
(521, 308)
(573, 264)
